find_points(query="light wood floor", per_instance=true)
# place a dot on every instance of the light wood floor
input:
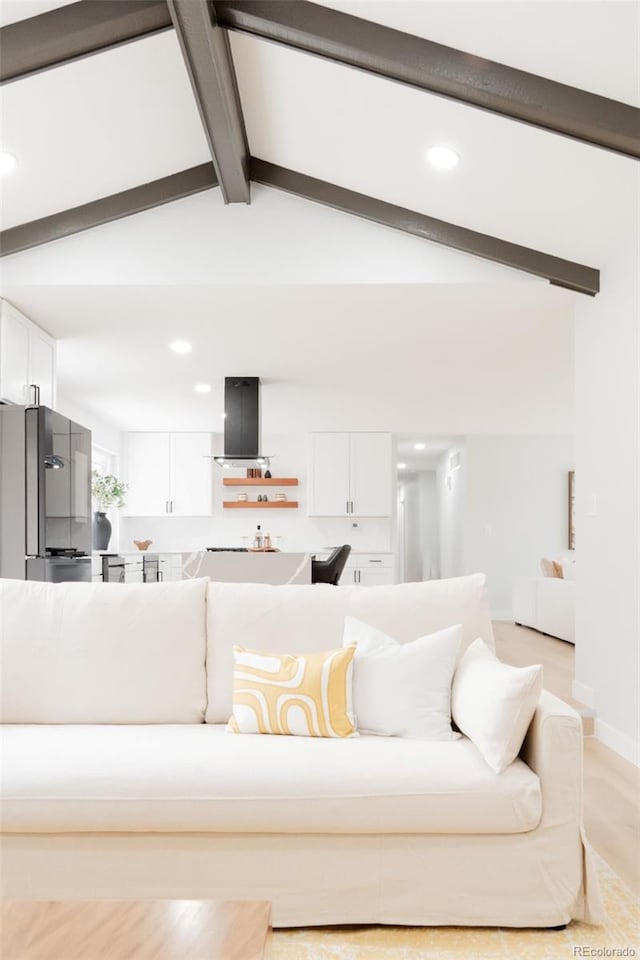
(611, 784)
(146, 929)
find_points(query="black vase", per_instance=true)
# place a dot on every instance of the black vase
(101, 531)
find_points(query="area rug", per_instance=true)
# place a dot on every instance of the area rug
(621, 930)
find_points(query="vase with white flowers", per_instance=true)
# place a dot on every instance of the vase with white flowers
(107, 491)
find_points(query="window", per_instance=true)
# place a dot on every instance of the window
(102, 460)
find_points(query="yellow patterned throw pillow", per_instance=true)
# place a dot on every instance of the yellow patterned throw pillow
(303, 696)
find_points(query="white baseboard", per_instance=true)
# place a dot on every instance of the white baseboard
(622, 744)
(583, 693)
(501, 615)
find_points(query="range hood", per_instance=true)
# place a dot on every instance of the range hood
(242, 424)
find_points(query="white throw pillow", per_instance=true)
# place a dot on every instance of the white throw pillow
(493, 703)
(403, 689)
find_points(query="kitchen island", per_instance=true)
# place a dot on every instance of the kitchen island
(247, 567)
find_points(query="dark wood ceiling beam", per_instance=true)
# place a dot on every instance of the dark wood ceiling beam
(115, 207)
(438, 69)
(74, 31)
(207, 55)
(561, 273)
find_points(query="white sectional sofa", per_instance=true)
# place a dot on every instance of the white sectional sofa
(547, 604)
(120, 780)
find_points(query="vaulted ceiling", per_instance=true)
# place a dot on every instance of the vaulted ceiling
(494, 355)
(125, 116)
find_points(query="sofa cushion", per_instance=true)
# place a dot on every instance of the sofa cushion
(307, 619)
(103, 652)
(493, 703)
(301, 696)
(403, 689)
(199, 778)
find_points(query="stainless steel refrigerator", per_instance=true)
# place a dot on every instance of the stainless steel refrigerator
(45, 495)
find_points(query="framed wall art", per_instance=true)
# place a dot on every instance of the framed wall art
(572, 509)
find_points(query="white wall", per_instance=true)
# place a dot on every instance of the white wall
(103, 434)
(430, 524)
(227, 527)
(607, 668)
(516, 508)
(410, 536)
(451, 491)
(504, 509)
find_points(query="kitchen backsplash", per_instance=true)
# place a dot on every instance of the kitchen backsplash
(296, 532)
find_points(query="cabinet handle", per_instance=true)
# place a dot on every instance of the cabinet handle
(359, 576)
(347, 506)
(375, 561)
(351, 502)
(166, 506)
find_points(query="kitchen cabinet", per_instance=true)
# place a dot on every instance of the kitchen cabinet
(27, 356)
(368, 570)
(169, 474)
(351, 475)
(42, 358)
(192, 474)
(148, 473)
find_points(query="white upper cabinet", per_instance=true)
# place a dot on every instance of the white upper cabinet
(168, 474)
(329, 475)
(192, 474)
(14, 356)
(351, 475)
(148, 473)
(27, 356)
(371, 474)
(42, 359)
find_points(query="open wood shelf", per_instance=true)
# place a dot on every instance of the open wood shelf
(260, 481)
(260, 504)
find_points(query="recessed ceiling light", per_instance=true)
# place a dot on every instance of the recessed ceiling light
(442, 158)
(419, 446)
(180, 346)
(202, 388)
(402, 466)
(7, 162)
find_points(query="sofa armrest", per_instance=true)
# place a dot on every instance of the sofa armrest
(552, 748)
